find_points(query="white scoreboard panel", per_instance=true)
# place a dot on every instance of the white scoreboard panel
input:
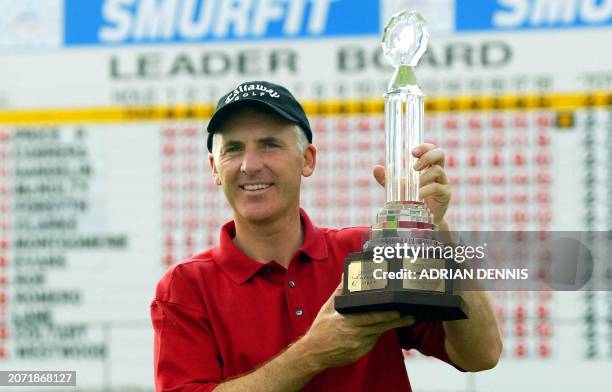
(104, 182)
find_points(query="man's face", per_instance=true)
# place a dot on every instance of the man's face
(257, 161)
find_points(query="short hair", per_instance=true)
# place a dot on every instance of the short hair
(302, 140)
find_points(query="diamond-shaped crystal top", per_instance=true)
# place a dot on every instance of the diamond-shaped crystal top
(405, 38)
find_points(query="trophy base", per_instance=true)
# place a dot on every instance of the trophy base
(423, 306)
(377, 281)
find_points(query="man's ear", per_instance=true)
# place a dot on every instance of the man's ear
(213, 166)
(310, 160)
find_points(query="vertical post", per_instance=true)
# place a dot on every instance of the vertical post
(403, 132)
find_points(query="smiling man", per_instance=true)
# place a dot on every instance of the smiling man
(255, 313)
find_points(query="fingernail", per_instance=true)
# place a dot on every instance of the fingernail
(416, 150)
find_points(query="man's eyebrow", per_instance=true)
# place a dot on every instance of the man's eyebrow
(232, 143)
(268, 139)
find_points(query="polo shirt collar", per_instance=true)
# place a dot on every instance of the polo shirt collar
(241, 267)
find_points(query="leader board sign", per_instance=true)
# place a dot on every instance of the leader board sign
(55, 24)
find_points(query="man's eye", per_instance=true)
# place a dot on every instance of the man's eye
(232, 149)
(271, 144)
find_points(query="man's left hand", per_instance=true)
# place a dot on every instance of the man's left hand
(433, 183)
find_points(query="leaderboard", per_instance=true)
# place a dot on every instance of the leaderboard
(47, 232)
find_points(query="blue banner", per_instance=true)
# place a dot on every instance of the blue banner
(124, 22)
(478, 15)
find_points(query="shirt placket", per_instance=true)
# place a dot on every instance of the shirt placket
(296, 302)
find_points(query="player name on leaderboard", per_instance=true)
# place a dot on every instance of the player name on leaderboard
(46, 202)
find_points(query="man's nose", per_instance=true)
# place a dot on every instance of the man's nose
(251, 161)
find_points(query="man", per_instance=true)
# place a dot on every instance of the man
(255, 313)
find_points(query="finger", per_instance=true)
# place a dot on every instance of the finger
(379, 174)
(329, 304)
(440, 191)
(430, 158)
(432, 174)
(386, 326)
(368, 318)
(340, 286)
(422, 149)
(365, 343)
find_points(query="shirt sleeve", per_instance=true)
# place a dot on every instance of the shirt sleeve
(186, 357)
(427, 338)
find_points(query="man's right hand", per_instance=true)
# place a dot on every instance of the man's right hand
(335, 339)
(332, 340)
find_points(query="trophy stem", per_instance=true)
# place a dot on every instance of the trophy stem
(404, 110)
(403, 78)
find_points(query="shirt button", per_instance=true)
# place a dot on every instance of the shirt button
(298, 311)
(291, 284)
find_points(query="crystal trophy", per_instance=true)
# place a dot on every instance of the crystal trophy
(404, 223)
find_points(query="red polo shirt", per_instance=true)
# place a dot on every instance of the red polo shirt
(220, 314)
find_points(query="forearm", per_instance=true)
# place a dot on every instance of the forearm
(288, 371)
(474, 344)
(443, 225)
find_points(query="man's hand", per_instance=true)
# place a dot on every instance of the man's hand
(332, 340)
(433, 183)
(335, 339)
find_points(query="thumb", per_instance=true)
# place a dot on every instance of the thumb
(337, 291)
(329, 306)
(340, 286)
(379, 174)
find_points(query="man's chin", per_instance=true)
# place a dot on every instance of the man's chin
(259, 215)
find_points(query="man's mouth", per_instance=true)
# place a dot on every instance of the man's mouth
(255, 187)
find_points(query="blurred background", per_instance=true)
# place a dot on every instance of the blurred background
(104, 179)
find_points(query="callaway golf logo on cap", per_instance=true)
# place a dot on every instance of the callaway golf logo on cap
(249, 91)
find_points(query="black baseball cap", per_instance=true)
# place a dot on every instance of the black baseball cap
(269, 95)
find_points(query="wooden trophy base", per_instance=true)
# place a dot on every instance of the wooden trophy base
(423, 306)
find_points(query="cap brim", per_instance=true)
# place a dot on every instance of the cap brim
(219, 116)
